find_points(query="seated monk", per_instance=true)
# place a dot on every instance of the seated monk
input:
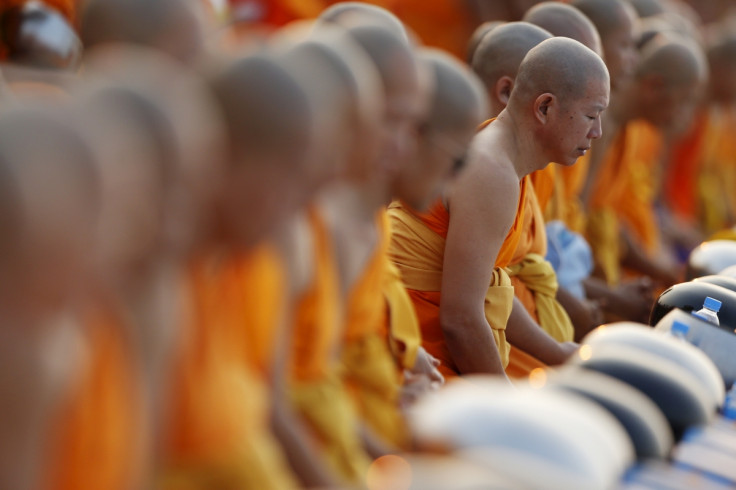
(352, 210)
(667, 69)
(474, 228)
(220, 402)
(497, 59)
(345, 95)
(47, 217)
(565, 21)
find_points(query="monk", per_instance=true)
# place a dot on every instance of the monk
(133, 307)
(464, 319)
(345, 94)
(346, 216)
(168, 25)
(668, 71)
(549, 184)
(221, 402)
(497, 60)
(49, 195)
(701, 166)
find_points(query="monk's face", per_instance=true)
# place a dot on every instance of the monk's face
(52, 258)
(578, 122)
(132, 223)
(619, 49)
(405, 106)
(260, 196)
(665, 105)
(439, 158)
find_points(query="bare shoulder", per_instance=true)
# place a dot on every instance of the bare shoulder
(489, 184)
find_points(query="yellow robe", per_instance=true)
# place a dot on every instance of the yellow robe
(534, 279)
(417, 249)
(717, 177)
(218, 416)
(370, 369)
(316, 388)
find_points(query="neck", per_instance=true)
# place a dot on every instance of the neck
(520, 145)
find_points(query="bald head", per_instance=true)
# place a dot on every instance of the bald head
(168, 25)
(457, 106)
(565, 21)
(458, 98)
(498, 56)
(345, 92)
(677, 61)
(263, 107)
(647, 8)
(478, 35)
(669, 81)
(615, 21)
(559, 66)
(349, 14)
(48, 204)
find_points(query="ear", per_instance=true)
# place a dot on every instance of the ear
(502, 90)
(543, 105)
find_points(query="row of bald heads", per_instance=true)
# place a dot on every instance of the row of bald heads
(170, 132)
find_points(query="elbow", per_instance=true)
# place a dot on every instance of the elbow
(455, 323)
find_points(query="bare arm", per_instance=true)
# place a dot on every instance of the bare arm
(482, 207)
(523, 332)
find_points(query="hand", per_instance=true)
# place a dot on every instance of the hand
(426, 364)
(632, 300)
(569, 348)
(415, 386)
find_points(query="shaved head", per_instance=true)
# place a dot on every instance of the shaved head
(345, 92)
(647, 8)
(48, 206)
(457, 106)
(262, 105)
(615, 21)
(459, 97)
(678, 62)
(478, 35)
(668, 81)
(348, 14)
(171, 26)
(559, 66)
(565, 21)
(498, 56)
(403, 87)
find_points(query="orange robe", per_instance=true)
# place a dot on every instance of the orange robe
(218, 416)
(681, 178)
(635, 206)
(602, 225)
(316, 387)
(445, 24)
(565, 203)
(99, 435)
(416, 249)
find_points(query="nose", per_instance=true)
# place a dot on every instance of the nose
(596, 131)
